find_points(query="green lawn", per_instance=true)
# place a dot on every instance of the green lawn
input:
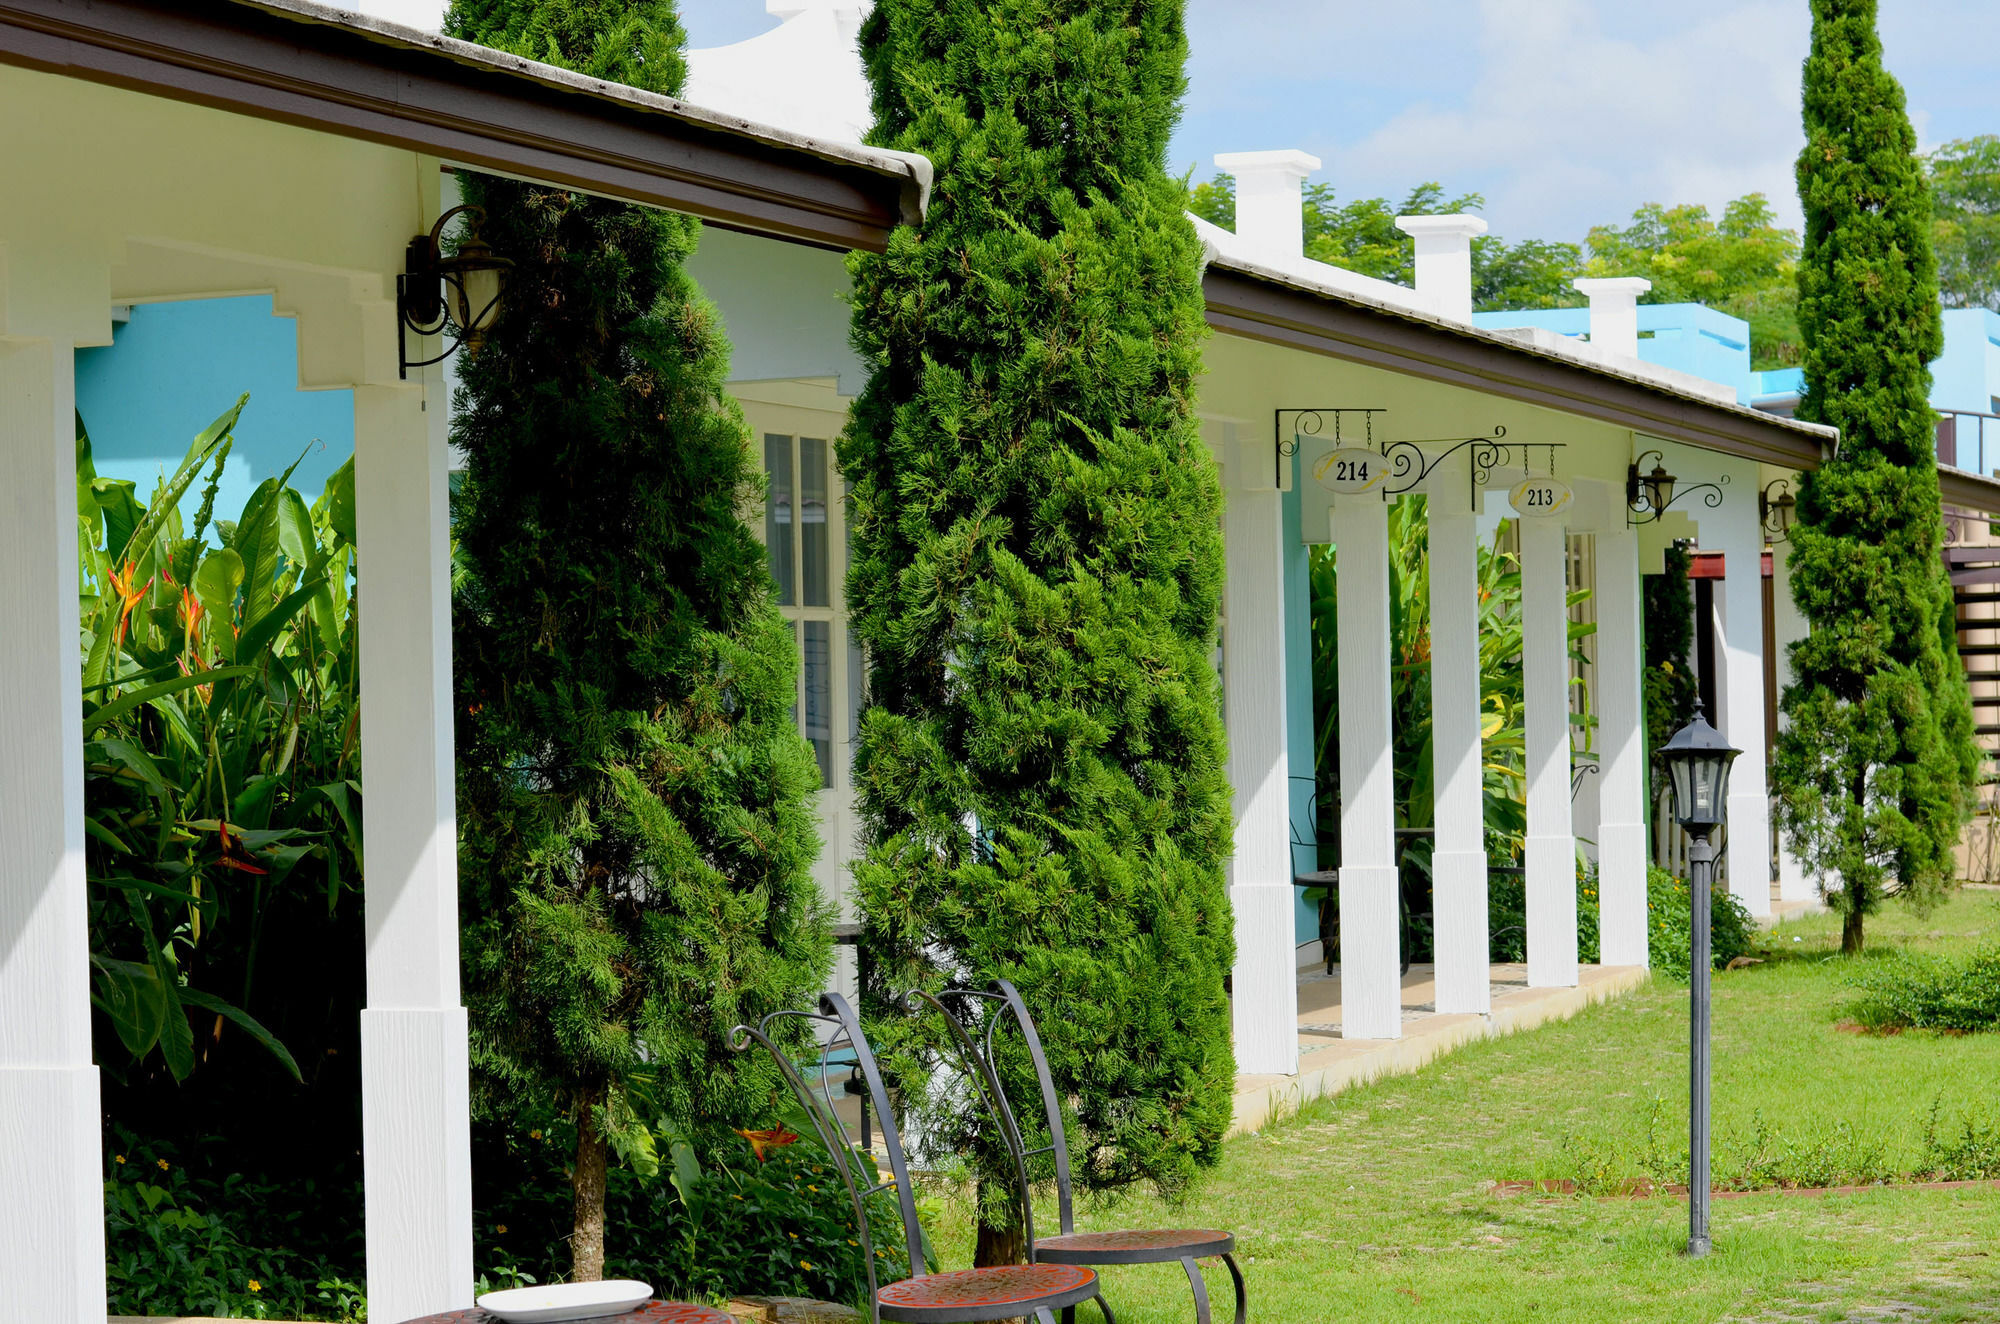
(1375, 1204)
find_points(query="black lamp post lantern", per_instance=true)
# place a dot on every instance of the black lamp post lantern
(1775, 512)
(1648, 494)
(1698, 759)
(457, 295)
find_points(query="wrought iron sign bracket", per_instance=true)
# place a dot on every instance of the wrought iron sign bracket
(1312, 423)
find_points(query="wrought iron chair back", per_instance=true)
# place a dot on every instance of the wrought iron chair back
(1003, 1002)
(859, 1176)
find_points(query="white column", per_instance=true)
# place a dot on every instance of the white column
(1739, 611)
(1794, 883)
(417, 1161)
(1458, 864)
(1551, 863)
(51, 1164)
(1614, 312)
(1444, 260)
(1371, 984)
(1621, 740)
(1264, 986)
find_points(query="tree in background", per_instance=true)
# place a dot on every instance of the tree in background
(638, 829)
(1965, 185)
(1037, 570)
(1876, 768)
(1666, 680)
(1362, 237)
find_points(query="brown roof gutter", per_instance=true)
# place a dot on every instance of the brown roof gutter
(1269, 308)
(316, 68)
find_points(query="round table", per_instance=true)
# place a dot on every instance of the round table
(653, 1312)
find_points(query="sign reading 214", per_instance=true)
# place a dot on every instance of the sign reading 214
(1351, 470)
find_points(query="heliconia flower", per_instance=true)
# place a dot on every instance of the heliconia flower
(234, 854)
(191, 612)
(129, 596)
(760, 1141)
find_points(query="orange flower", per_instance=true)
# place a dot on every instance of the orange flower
(235, 855)
(192, 610)
(760, 1141)
(128, 595)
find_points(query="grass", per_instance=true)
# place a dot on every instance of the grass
(1375, 1204)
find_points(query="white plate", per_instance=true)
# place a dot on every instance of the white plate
(540, 1305)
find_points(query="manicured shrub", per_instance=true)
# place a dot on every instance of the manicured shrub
(1912, 990)
(1732, 931)
(636, 800)
(1876, 767)
(1036, 576)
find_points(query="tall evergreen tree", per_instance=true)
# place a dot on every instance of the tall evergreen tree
(638, 823)
(1037, 569)
(1875, 770)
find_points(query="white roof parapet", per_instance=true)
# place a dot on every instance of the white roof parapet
(1270, 203)
(1614, 312)
(1444, 259)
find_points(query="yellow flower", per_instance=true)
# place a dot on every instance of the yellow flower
(120, 1159)
(811, 1187)
(534, 1135)
(256, 1286)
(500, 1231)
(162, 1163)
(805, 1264)
(852, 1242)
(793, 1235)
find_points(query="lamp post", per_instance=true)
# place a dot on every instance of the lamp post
(1698, 759)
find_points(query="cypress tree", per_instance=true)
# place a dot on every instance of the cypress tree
(1036, 574)
(1876, 768)
(638, 829)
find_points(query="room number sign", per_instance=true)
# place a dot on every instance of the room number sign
(1539, 498)
(1351, 470)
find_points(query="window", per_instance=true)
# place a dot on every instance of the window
(798, 539)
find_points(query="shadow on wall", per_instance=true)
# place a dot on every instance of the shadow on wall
(172, 367)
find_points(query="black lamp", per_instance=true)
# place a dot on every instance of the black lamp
(1650, 492)
(436, 294)
(1698, 759)
(1775, 512)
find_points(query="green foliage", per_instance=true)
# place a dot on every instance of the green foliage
(1876, 767)
(1670, 920)
(221, 769)
(1924, 991)
(1666, 679)
(183, 1240)
(637, 802)
(714, 1222)
(1037, 571)
(1745, 265)
(1965, 189)
(1507, 917)
(1362, 236)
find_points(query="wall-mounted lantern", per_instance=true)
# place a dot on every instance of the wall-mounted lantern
(1648, 494)
(1775, 513)
(458, 296)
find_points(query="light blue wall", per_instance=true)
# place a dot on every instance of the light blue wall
(1297, 563)
(174, 366)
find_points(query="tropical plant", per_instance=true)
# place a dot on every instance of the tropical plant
(1503, 737)
(638, 828)
(1666, 680)
(1876, 767)
(220, 762)
(1037, 574)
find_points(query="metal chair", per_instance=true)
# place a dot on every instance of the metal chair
(1162, 1246)
(965, 1296)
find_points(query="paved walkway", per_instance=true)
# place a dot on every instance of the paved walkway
(1329, 1063)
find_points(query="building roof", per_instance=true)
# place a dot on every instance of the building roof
(342, 73)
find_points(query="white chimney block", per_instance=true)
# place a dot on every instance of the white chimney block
(1270, 216)
(1444, 260)
(1614, 312)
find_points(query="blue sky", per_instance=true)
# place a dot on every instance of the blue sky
(1563, 113)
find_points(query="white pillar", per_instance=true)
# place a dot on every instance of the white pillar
(1551, 863)
(1444, 260)
(1371, 984)
(1458, 862)
(1739, 689)
(1264, 985)
(416, 1127)
(51, 1163)
(1269, 195)
(1621, 740)
(1794, 883)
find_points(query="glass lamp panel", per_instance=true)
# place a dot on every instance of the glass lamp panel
(1683, 792)
(1707, 802)
(818, 658)
(778, 516)
(815, 571)
(479, 300)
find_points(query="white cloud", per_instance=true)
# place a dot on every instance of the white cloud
(1566, 124)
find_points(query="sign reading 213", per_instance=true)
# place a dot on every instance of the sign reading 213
(1539, 498)
(1351, 470)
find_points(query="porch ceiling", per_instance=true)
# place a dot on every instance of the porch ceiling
(340, 73)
